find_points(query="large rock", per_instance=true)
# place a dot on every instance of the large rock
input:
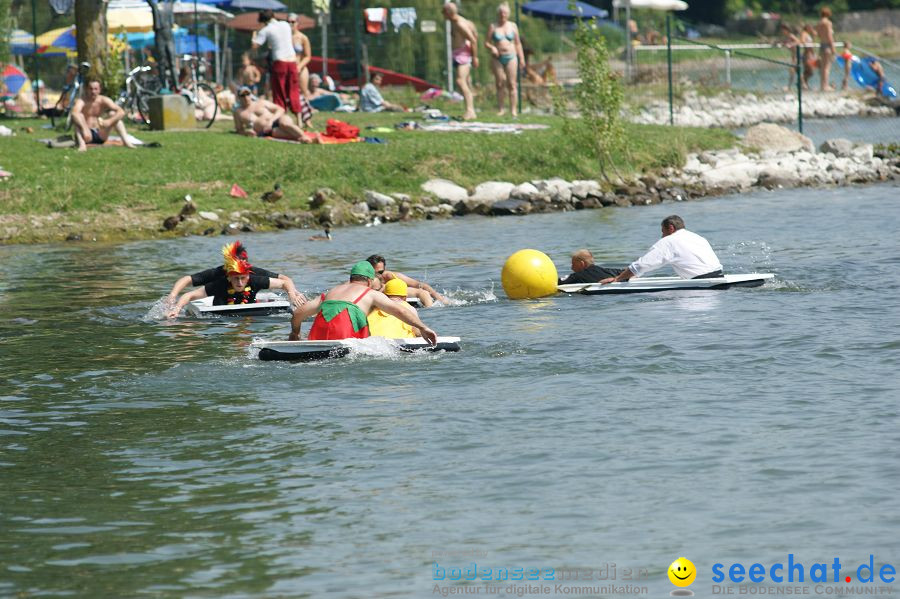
(739, 174)
(773, 176)
(583, 189)
(560, 190)
(838, 147)
(492, 192)
(768, 136)
(507, 207)
(378, 201)
(446, 191)
(525, 191)
(863, 152)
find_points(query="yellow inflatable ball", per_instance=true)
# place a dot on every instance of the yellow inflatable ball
(528, 274)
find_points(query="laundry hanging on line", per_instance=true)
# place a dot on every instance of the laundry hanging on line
(403, 16)
(376, 20)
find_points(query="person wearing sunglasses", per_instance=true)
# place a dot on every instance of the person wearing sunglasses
(418, 289)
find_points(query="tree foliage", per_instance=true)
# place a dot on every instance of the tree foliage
(718, 11)
(5, 30)
(598, 97)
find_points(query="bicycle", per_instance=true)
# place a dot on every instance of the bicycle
(140, 84)
(70, 92)
(199, 93)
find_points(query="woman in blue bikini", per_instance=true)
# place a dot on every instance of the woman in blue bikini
(504, 44)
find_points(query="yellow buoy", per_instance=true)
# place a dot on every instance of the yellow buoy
(528, 274)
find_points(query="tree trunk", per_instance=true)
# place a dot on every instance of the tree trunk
(90, 24)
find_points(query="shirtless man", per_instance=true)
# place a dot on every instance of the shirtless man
(425, 292)
(257, 117)
(827, 51)
(95, 115)
(341, 313)
(465, 54)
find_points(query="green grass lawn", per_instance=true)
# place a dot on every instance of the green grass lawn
(205, 164)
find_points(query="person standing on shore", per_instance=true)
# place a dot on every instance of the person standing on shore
(284, 77)
(827, 51)
(505, 46)
(465, 54)
(689, 255)
(304, 52)
(790, 41)
(810, 62)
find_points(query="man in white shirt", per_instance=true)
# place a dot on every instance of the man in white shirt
(284, 77)
(689, 255)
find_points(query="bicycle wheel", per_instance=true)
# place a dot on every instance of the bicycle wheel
(143, 105)
(73, 95)
(206, 106)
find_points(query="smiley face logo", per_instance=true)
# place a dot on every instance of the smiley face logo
(682, 572)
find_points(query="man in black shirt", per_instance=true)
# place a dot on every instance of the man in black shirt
(585, 271)
(238, 286)
(210, 275)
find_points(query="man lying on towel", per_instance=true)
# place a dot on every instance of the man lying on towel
(341, 313)
(257, 117)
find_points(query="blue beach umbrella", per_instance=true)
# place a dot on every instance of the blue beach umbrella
(186, 44)
(256, 5)
(559, 9)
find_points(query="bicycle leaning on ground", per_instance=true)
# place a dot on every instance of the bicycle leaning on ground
(197, 91)
(62, 110)
(140, 84)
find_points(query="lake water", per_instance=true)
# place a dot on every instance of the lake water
(142, 457)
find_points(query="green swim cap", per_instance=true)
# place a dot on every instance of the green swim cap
(363, 268)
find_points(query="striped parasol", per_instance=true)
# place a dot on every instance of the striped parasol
(13, 78)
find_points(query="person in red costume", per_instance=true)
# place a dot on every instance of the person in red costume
(341, 312)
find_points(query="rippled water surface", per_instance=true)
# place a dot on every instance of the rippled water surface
(148, 457)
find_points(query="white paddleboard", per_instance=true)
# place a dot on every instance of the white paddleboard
(266, 303)
(651, 284)
(306, 351)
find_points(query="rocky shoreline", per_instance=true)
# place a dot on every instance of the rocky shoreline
(770, 157)
(733, 111)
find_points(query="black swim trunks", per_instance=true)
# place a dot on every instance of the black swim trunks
(95, 138)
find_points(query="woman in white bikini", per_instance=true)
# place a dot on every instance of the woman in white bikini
(505, 46)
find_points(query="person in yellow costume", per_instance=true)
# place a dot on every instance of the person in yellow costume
(382, 324)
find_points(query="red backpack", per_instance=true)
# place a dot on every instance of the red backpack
(341, 130)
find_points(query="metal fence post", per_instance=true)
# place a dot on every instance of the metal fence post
(799, 90)
(669, 60)
(728, 67)
(518, 70)
(357, 30)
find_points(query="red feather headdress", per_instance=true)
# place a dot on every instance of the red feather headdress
(236, 259)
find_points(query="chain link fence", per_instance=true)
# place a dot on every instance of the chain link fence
(738, 85)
